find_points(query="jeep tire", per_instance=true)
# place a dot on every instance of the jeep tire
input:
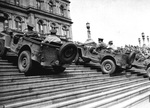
(108, 66)
(67, 53)
(25, 62)
(131, 57)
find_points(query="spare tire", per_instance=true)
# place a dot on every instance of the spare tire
(67, 52)
(131, 57)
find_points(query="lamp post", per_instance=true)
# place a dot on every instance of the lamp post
(143, 37)
(88, 30)
(139, 42)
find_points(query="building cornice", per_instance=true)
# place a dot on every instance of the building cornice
(28, 10)
(44, 13)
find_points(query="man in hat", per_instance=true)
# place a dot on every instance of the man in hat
(111, 46)
(52, 37)
(101, 45)
(30, 31)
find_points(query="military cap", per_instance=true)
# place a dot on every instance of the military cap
(30, 25)
(100, 39)
(110, 42)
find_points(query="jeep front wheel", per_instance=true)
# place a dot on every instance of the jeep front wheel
(3, 50)
(25, 62)
(108, 66)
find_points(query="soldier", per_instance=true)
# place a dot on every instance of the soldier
(101, 45)
(30, 32)
(52, 37)
(111, 46)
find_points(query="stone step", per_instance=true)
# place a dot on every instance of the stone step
(104, 98)
(70, 98)
(15, 76)
(57, 83)
(75, 84)
(133, 101)
(24, 80)
(78, 86)
(5, 63)
(8, 67)
(9, 70)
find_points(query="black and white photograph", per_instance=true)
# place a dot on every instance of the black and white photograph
(74, 53)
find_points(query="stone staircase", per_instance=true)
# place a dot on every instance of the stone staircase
(80, 86)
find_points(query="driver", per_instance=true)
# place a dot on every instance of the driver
(52, 37)
(101, 45)
(30, 31)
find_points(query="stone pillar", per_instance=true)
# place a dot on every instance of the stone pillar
(13, 22)
(68, 11)
(31, 18)
(70, 32)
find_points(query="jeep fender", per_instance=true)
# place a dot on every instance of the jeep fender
(27, 47)
(109, 57)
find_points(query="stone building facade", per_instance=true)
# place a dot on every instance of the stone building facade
(43, 14)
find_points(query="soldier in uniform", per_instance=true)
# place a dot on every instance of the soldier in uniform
(101, 45)
(30, 32)
(52, 37)
(111, 45)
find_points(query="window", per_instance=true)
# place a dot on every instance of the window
(64, 31)
(40, 26)
(6, 24)
(62, 10)
(16, 2)
(18, 23)
(50, 6)
(53, 27)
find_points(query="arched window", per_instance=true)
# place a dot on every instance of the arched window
(64, 30)
(6, 24)
(51, 4)
(6, 21)
(18, 23)
(53, 27)
(41, 26)
(62, 10)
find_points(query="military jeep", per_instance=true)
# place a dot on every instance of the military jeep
(110, 61)
(31, 50)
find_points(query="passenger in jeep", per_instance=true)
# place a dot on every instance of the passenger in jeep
(52, 37)
(110, 46)
(101, 45)
(30, 32)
